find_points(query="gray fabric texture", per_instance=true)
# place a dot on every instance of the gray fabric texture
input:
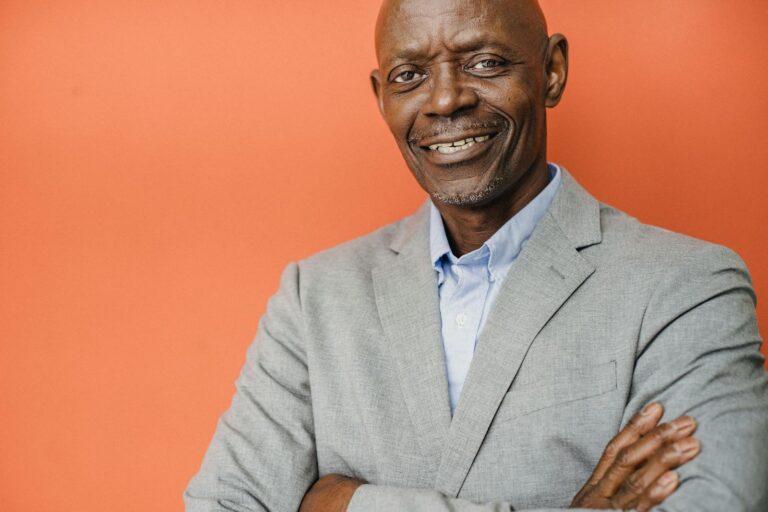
(599, 316)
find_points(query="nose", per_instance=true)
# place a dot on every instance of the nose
(449, 94)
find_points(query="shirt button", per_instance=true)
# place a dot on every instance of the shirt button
(461, 319)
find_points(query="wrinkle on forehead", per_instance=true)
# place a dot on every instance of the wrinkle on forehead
(519, 15)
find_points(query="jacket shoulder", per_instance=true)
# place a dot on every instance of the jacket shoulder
(653, 249)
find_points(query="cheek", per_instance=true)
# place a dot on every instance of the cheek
(400, 114)
(514, 97)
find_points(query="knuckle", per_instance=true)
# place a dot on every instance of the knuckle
(625, 457)
(657, 435)
(634, 421)
(612, 449)
(667, 429)
(633, 484)
(634, 424)
(669, 455)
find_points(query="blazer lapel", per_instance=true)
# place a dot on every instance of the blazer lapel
(407, 301)
(548, 270)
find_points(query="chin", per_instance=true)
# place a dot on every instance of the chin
(476, 197)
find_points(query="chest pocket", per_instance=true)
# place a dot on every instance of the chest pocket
(540, 390)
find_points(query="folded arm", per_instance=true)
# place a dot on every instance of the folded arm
(699, 354)
(634, 472)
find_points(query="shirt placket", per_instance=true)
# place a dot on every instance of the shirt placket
(465, 307)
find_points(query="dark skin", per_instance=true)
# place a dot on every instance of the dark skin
(481, 74)
(449, 71)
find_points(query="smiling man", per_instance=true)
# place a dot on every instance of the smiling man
(515, 343)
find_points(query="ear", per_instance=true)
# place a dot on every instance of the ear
(376, 85)
(556, 69)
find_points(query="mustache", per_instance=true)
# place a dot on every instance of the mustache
(457, 128)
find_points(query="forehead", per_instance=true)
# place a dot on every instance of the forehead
(415, 27)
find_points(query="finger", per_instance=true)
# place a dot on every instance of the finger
(669, 457)
(658, 492)
(622, 471)
(640, 424)
(652, 442)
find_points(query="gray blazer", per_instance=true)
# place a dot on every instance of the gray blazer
(598, 316)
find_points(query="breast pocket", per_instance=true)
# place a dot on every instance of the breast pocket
(542, 389)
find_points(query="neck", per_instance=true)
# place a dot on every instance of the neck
(469, 227)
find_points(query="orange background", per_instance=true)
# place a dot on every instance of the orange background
(161, 161)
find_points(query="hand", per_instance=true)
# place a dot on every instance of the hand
(332, 493)
(635, 469)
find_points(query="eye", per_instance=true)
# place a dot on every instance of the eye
(408, 76)
(486, 64)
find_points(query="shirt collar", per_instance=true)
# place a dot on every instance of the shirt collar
(503, 247)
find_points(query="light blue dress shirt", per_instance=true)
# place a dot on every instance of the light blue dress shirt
(469, 285)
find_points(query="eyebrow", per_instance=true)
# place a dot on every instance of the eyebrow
(415, 53)
(475, 43)
(407, 54)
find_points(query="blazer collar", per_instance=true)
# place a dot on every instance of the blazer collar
(577, 213)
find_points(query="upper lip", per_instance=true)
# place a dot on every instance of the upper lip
(447, 138)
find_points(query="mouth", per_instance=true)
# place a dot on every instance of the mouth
(448, 148)
(455, 149)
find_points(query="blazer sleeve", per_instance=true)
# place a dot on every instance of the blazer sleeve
(699, 354)
(262, 456)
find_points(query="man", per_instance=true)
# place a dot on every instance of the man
(510, 341)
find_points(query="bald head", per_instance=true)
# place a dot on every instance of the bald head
(523, 17)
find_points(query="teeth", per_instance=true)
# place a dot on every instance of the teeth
(458, 145)
(447, 150)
